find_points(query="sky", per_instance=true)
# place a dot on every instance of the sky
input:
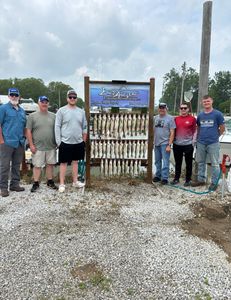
(133, 40)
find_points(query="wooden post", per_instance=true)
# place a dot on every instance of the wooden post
(205, 52)
(87, 109)
(150, 129)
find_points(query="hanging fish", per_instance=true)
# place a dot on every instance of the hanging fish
(117, 149)
(146, 124)
(139, 167)
(142, 126)
(133, 130)
(142, 149)
(146, 150)
(127, 170)
(121, 126)
(138, 125)
(108, 150)
(125, 150)
(129, 149)
(96, 150)
(93, 149)
(121, 145)
(135, 168)
(112, 126)
(100, 149)
(104, 148)
(95, 130)
(104, 119)
(125, 125)
(107, 127)
(110, 168)
(118, 168)
(131, 171)
(129, 127)
(123, 167)
(116, 127)
(106, 167)
(114, 168)
(99, 129)
(102, 167)
(138, 149)
(113, 155)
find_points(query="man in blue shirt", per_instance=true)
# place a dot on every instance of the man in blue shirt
(12, 139)
(210, 124)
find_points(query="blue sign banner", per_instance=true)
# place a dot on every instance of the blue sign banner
(119, 95)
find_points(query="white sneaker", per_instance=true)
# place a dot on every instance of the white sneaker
(78, 184)
(62, 188)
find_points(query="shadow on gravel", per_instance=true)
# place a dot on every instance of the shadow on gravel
(212, 222)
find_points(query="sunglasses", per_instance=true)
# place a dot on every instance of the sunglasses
(14, 95)
(162, 107)
(72, 97)
(183, 108)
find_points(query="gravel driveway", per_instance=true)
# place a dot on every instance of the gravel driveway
(118, 240)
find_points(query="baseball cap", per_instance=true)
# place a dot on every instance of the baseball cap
(71, 92)
(13, 91)
(43, 98)
(163, 105)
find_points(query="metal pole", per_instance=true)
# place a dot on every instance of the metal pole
(182, 84)
(205, 52)
(175, 101)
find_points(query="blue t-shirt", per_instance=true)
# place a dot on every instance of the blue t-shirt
(12, 122)
(209, 127)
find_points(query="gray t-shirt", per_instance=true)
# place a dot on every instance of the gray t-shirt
(162, 126)
(70, 124)
(42, 128)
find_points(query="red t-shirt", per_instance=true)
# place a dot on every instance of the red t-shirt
(185, 129)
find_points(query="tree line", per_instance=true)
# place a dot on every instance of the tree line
(219, 89)
(56, 91)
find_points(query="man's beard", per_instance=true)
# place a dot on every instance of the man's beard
(14, 102)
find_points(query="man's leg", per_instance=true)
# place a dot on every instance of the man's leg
(36, 174)
(201, 160)
(17, 157)
(178, 156)
(158, 162)
(188, 150)
(75, 170)
(165, 157)
(213, 152)
(62, 173)
(5, 158)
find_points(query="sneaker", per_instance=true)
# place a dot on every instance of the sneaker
(212, 187)
(35, 186)
(188, 183)
(17, 188)
(4, 193)
(78, 184)
(197, 183)
(62, 188)
(51, 184)
(174, 181)
(156, 179)
(164, 181)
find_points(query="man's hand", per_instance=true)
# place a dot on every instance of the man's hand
(168, 148)
(33, 148)
(1, 141)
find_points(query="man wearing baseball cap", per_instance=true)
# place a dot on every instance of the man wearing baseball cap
(71, 135)
(12, 140)
(41, 137)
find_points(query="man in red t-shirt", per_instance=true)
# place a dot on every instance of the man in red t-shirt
(183, 143)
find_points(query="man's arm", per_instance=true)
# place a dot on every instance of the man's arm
(1, 136)
(171, 139)
(221, 129)
(58, 124)
(30, 140)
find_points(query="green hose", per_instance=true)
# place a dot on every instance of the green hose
(194, 192)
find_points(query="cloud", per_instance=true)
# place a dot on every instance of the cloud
(132, 40)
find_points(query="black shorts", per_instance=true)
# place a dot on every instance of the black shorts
(70, 152)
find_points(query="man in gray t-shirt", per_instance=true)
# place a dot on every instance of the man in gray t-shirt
(41, 137)
(71, 135)
(164, 128)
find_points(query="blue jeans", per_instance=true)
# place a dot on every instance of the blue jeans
(162, 162)
(212, 151)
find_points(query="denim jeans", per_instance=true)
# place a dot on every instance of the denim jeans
(10, 160)
(212, 151)
(162, 162)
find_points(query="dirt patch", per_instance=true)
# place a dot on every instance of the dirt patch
(212, 222)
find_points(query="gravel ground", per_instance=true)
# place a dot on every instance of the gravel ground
(115, 241)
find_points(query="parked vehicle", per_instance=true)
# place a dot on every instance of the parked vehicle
(28, 105)
(225, 139)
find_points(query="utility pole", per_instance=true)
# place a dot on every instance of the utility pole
(205, 52)
(183, 79)
(174, 109)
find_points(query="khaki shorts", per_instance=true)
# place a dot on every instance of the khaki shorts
(42, 158)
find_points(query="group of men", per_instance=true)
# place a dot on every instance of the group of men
(183, 133)
(67, 131)
(45, 132)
